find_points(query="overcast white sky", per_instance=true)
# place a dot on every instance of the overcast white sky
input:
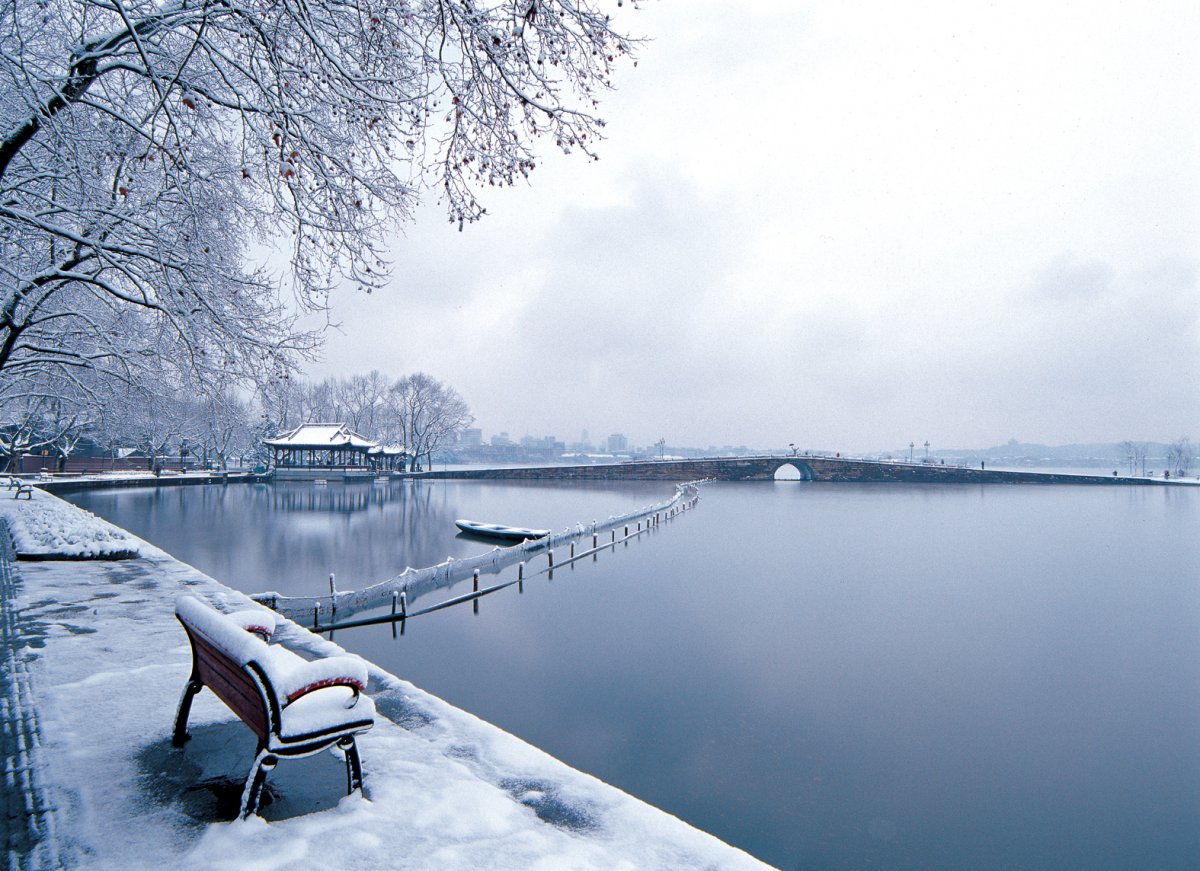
(847, 225)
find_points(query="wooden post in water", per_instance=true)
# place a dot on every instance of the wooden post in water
(550, 558)
(521, 576)
(475, 588)
(395, 599)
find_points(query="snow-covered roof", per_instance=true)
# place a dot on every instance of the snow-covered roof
(320, 435)
(389, 450)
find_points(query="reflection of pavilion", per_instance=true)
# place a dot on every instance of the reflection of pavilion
(317, 450)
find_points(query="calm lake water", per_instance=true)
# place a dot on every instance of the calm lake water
(829, 676)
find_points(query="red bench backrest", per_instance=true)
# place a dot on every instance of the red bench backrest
(230, 682)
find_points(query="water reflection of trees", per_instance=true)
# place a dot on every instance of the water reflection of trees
(335, 498)
(364, 532)
(289, 536)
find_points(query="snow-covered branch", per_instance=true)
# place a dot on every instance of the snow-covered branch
(146, 146)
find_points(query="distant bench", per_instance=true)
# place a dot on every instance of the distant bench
(12, 482)
(294, 706)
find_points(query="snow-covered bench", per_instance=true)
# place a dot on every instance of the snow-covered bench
(22, 489)
(296, 707)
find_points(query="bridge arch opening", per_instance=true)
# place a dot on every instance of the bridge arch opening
(793, 472)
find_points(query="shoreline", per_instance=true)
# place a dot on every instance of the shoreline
(106, 661)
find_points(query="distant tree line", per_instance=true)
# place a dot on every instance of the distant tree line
(213, 425)
(1179, 457)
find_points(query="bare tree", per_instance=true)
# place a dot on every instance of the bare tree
(1129, 450)
(1179, 456)
(423, 413)
(363, 400)
(226, 428)
(1135, 455)
(36, 424)
(144, 144)
(284, 404)
(66, 425)
(323, 401)
(356, 401)
(41, 413)
(149, 419)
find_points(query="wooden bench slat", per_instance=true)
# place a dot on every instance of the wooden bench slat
(231, 684)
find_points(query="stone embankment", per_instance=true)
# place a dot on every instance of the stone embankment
(75, 484)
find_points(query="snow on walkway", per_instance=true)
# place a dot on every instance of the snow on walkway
(45, 526)
(108, 661)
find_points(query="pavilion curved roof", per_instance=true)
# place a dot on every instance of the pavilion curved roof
(320, 436)
(388, 450)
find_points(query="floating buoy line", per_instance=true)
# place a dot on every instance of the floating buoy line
(320, 613)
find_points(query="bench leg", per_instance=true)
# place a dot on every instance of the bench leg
(354, 778)
(263, 763)
(185, 707)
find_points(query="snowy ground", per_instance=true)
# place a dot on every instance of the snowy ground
(45, 526)
(106, 662)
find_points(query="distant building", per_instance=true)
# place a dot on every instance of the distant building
(617, 443)
(471, 438)
(314, 449)
(502, 440)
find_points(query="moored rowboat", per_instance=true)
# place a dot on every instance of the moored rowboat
(496, 531)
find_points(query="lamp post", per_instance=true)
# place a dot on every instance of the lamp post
(910, 451)
(927, 449)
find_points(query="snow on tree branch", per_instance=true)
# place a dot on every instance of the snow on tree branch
(146, 146)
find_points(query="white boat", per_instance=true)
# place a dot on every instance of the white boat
(496, 531)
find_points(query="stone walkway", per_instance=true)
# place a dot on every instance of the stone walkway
(29, 816)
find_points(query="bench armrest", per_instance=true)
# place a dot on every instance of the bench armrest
(333, 671)
(258, 621)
